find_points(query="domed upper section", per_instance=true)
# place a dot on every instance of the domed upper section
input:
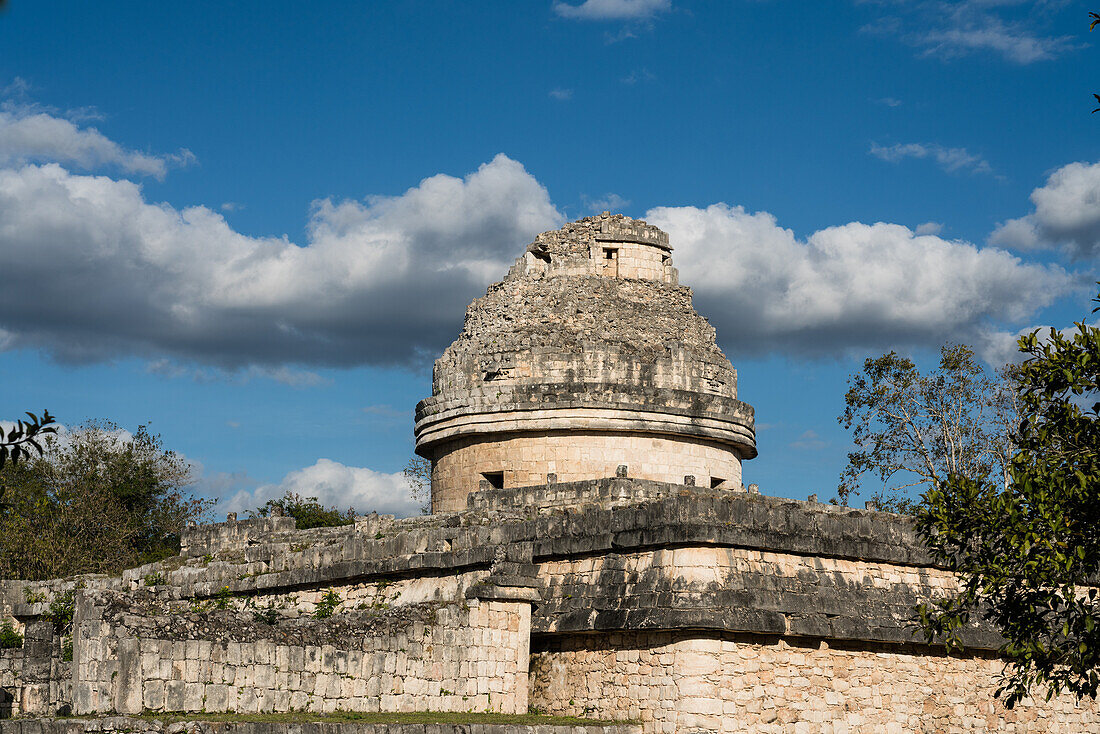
(586, 348)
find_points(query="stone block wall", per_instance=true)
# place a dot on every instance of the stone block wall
(526, 459)
(11, 683)
(137, 653)
(199, 725)
(635, 260)
(687, 682)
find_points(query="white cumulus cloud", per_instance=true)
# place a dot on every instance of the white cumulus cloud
(334, 484)
(855, 286)
(93, 270)
(1067, 214)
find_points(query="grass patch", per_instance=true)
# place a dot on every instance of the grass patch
(339, 717)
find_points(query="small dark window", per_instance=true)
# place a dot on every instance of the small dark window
(716, 482)
(609, 253)
(494, 478)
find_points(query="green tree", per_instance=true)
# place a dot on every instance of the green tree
(1027, 554)
(94, 501)
(914, 430)
(308, 512)
(418, 473)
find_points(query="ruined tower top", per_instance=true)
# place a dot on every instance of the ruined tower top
(586, 358)
(608, 244)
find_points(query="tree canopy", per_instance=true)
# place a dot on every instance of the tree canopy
(96, 500)
(914, 429)
(1027, 553)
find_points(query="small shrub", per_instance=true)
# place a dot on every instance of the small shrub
(61, 613)
(31, 596)
(269, 614)
(326, 607)
(9, 638)
(67, 650)
(224, 598)
(307, 512)
(155, 579)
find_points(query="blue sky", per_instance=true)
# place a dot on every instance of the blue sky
(253, 225)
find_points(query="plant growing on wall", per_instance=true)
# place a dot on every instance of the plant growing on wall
(327, 605)
(9, 638)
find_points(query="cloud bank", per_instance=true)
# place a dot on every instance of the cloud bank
(94, 271)
(851, 287)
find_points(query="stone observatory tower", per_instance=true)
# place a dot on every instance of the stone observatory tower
(586, 358)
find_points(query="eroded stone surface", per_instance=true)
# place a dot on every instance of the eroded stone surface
(574, 350)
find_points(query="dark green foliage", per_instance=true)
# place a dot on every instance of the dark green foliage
(268, 615)
(24, 435)
(154, 579)
(9, 638)
(1027, 554)
(224, 598)
(97, 501)
(307, 511)
(61, 613)
(326, 607)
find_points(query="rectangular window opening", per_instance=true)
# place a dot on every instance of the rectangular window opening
(717, 482)
(494, 478)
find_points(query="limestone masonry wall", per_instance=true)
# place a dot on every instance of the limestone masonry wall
(198, 725)
(686, 682)
(689, 609)
(527, 459)
(138, 653)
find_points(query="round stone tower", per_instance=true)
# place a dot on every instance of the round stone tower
(588, 356)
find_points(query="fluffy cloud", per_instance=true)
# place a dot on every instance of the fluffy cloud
(856, 286)
(612, 9)
(1067, 214)
(951, 160)
(29, 134)
(93, 270)
(334, 484)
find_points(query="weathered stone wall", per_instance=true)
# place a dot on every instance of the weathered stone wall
(137, 653)
(127, 725)
(559, 349)
(11, 681)
(687, 682)
(634, 582)
(526, 459)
